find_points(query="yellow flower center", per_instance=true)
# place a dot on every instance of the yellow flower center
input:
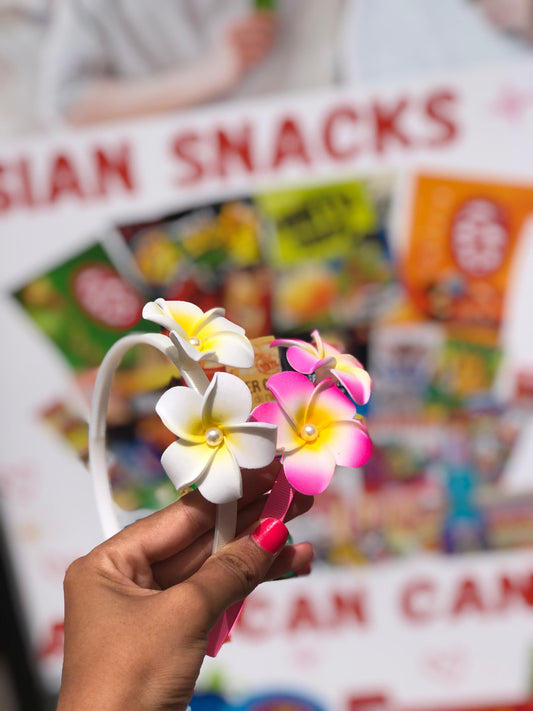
(309, 433)
(214, 436)
(194, 341)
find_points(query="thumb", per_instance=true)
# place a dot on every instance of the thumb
(233, 572)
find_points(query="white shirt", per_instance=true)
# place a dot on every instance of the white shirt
(384, 40)
(136, 38)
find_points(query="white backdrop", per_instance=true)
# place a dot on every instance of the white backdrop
(54, 200)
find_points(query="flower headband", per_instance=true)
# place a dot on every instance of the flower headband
(311, 423)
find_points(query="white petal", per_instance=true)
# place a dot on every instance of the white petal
(185, 463)
(184, 313)
(193, 353)
(180, 408)
(152, 311)
(214, 321)
(222, 482)
(228, 401)
(231, 348)
(253, 444)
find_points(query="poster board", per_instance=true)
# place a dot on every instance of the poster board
(412, 628)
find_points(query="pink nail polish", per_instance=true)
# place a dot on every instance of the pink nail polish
(271, 535)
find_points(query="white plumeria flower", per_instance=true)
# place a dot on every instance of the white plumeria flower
(215, 437)
(203, 336)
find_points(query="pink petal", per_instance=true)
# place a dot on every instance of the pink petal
(292, 391)
(346, 361)
(328, 404)
(302, 360)
(348, 442)
(357, 382)
(309, 469)
(287, 438)
(287, 342)
(253, 444)
(332, 352)
(266, 412)
(302, 356)
(317, 340)
(326, 363)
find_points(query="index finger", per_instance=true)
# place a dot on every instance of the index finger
(167, 532)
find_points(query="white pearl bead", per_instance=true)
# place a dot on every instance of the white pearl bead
(309, 432)
(214, 436)
(194, 341)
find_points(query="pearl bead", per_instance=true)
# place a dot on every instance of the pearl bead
(309, 433)
(214, 436)
(194, 341)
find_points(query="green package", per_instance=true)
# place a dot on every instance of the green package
(84, 305)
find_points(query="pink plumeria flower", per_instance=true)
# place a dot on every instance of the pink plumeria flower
(215, 437)
(328, 362)
(316, 430)
(203, 336)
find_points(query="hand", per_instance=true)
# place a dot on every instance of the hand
(244, 44)
(515, 16)
(139, 607)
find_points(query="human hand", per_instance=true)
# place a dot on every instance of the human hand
(515, 16)
(244, 44)
(139, 607)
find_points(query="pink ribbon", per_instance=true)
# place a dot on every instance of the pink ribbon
(276, 506)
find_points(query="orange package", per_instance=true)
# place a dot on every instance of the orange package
(461, 240)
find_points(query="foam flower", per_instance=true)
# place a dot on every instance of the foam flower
(215, 437)
(326, 361)
(203, 336)
(316, 430)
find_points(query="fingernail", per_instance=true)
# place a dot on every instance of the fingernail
(271, 535)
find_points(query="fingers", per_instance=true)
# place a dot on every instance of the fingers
(293, 560)
(254, 36)
(232, 573)
(180, 566)
(254, 26)
(169, 531)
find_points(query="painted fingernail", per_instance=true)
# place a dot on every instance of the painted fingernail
(271, 535)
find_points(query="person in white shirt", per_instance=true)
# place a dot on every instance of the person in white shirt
(109, 59)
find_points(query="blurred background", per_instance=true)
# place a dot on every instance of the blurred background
(364, 167)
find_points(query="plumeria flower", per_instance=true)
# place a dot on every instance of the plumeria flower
(328, 362)
(316, 430)
(215, 437)
(203, 336)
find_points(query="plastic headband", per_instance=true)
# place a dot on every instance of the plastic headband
(311, 423)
